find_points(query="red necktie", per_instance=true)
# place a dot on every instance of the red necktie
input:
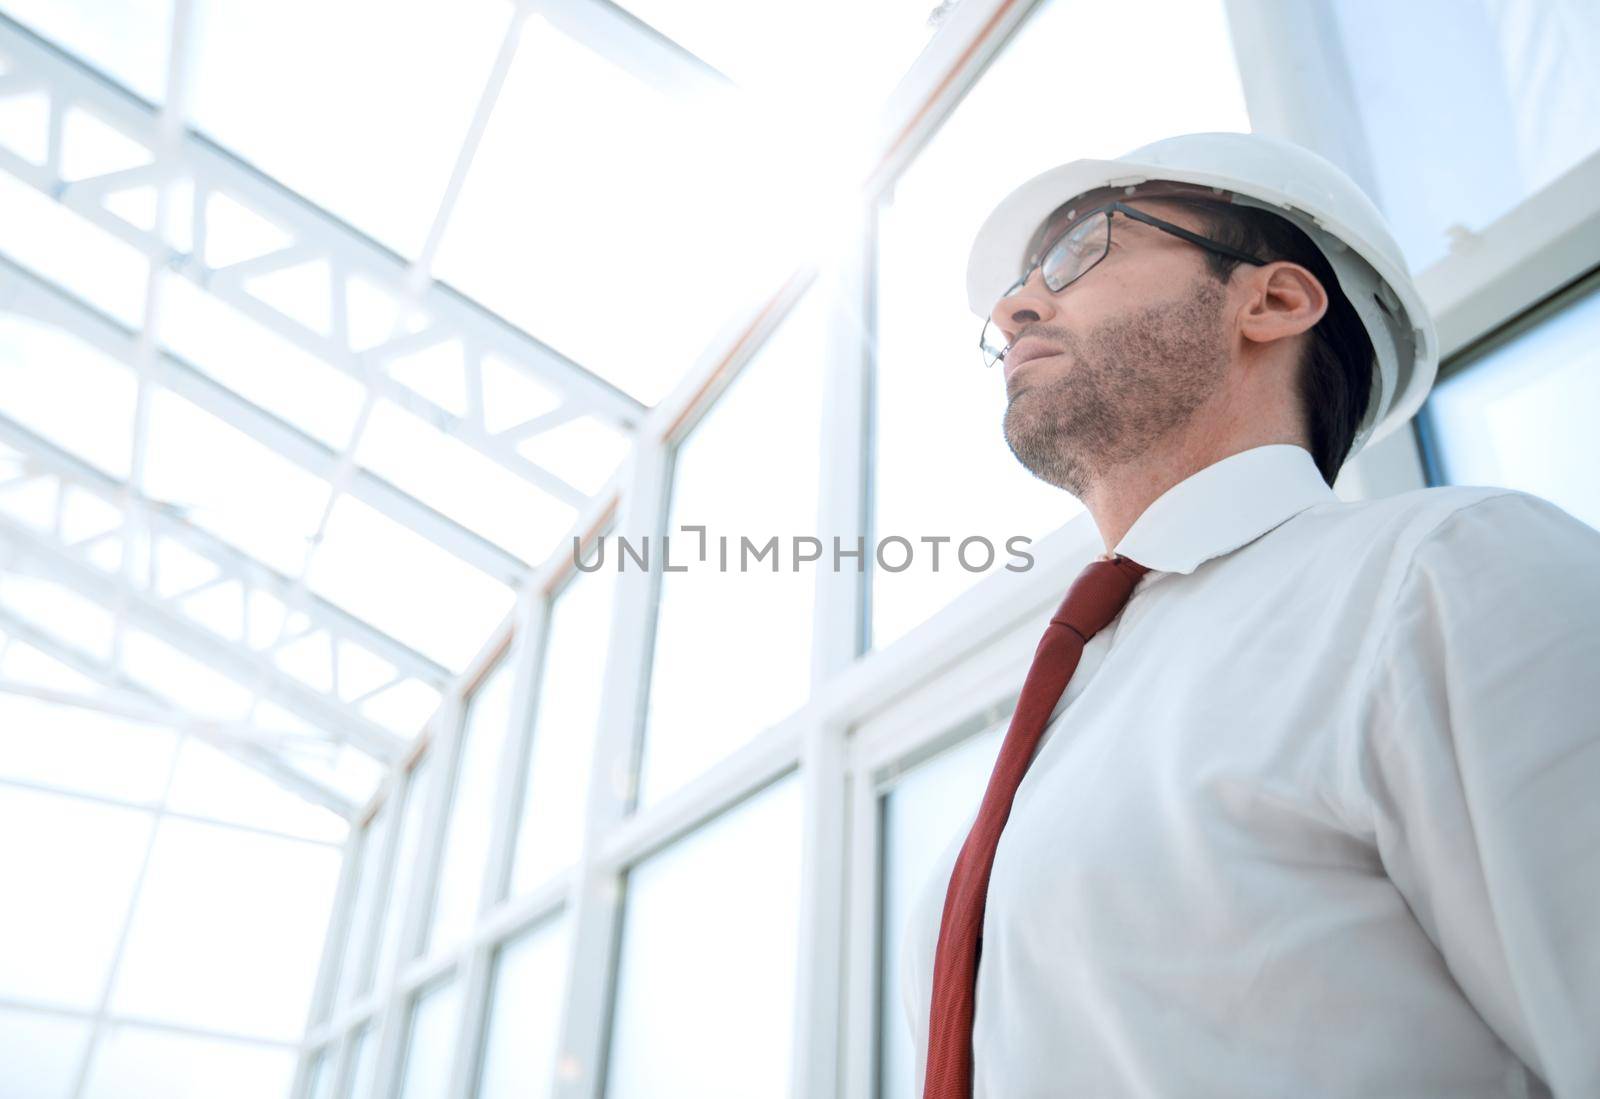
(1095, 598)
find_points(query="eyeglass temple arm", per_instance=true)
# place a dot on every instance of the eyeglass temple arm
(1192, 238)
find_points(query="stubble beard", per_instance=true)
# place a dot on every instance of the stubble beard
(1127, 385)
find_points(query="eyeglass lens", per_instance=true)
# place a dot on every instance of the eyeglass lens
(1073, 253)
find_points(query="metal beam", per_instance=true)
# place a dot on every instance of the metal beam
(119, 702)
(23, 292)
(50, 559)
(231, 563)
(316, 236)
(141, 703)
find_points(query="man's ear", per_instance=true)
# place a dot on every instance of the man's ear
(1284, 300)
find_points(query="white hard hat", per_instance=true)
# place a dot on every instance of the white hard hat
(1260, 171)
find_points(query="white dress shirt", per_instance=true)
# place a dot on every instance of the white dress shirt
(1317, 815)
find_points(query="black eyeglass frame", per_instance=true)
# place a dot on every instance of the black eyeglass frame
(1109, 209)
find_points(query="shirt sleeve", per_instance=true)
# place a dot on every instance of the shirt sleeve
(1481, 749)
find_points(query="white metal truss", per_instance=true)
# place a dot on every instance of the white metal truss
(315, 241)
(122, 696)
(187, 175)
(24, 293)
(158, 605)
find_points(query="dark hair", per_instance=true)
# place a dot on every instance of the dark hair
(1336, 372)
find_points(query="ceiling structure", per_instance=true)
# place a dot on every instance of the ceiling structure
(113, 595)
(282, 431)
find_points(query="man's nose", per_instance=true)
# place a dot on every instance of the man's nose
(1027, 304)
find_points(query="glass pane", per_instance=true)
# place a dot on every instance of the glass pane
(43, 373)
(69, 868)
(405, 864)
(263, 367)
(79, 749)
(355, 970)
(405, 77)
(1522, 416)
(943, 467)
(127, 40)
(584, 452)
(196, 687)
(466, 843)
(40, 1053)
(365, 1064)
(348, 770)
(22, 663)
(322, 1073)
(140, 1063)
(451, 477)
(706, 979)
(1469, 106)
(432, 1042)
(567, 712)
(553, 218)
(228, 931)
(523, 1027)
(45, 238)
(63, 613)
(711, 690)
(771, 49)
(370, 565)
(233, 486)
(923, 815)
(210, 783)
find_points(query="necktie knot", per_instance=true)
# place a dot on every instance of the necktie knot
(1098, 594)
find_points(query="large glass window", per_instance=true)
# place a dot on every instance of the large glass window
(224, 910)
(46, 238)
(465, 853)
(364, 1063)
(523, 1029)
(405, 864)
(733, 645)
(550, 238)
(71, 748)
(207, 782)
(128, 41)
(321, 1077)
(432, 1041)
(943, 468)
(355, 973)
(922, 816)
(567, 713)
(369, 565)
(1521, 414)
(41, 1052)
(69, 868)
(771, 49)
(40, 399)
(406, 78)
(706, 979)
(134, 1062)
(1469, 106)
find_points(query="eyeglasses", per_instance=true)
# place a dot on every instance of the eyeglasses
(1084, 244)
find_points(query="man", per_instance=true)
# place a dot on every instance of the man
(1317, 809)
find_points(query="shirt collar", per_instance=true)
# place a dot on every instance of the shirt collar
(1224, 506)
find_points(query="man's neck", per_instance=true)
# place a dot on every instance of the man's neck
(1118, 498)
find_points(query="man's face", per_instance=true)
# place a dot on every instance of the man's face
(1133, 349)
